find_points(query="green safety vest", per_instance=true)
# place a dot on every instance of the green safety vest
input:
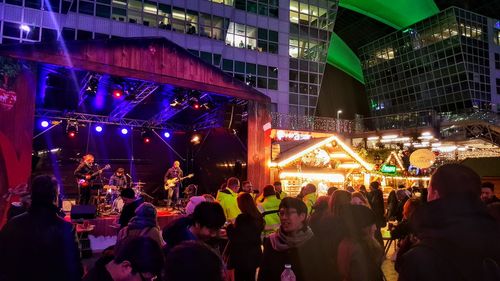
(227, 199)
(269, 209)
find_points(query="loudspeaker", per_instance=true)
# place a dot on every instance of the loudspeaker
(83, 212)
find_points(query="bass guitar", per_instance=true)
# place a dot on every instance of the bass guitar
(85, 182)
(173, 182)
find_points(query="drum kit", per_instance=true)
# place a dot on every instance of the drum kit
(112, 202)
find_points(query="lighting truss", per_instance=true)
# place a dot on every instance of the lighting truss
(100, 119)
(85, 84)
(169, 112)
(141, 93)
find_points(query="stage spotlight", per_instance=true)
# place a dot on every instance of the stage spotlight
(166, 135)
(194, 103)
(124, 131)
(117, 93)
(92, 84)
(195, 139)
(25, 28)
(98, 128)
(72, 129)
(147, 136)
(44, 124)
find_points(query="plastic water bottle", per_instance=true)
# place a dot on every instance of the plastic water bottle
(287, 274)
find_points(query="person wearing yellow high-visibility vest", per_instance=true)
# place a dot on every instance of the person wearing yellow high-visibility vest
(280, 194)
(279, 190)
(227, 199)
(269, 207)
(309, 196)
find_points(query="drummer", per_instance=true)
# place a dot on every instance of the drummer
(118, 179)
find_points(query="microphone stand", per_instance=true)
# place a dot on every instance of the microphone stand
(99, 205)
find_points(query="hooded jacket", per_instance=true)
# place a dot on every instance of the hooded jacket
(458, 241)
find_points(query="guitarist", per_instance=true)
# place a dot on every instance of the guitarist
(174, 172)
(85, 175)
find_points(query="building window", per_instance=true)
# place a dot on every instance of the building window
(241, 36)
(498, 86)
(497, 37)
(262, 7)
(86, 8)
(225, 2)
(308, 49)
(308, 15)
(212, 26)
(255, 75)
(497, 60)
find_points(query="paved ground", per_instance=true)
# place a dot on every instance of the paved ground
(388, 267)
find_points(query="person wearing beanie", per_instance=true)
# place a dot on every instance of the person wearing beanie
(143, 224)
(40, 245)
(359, 255)
(131, 203)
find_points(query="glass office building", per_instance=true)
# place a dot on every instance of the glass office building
(277, 46)
(441, 63)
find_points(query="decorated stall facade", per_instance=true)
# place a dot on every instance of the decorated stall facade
(323, 161)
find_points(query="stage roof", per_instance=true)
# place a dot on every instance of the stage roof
(153, 59)
(161, 85)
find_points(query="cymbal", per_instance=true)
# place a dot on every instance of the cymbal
(138, 183)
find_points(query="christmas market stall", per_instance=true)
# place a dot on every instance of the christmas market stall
(325, 161)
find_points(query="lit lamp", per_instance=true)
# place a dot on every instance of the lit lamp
(338, 117)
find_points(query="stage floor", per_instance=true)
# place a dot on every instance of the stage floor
(107, 225)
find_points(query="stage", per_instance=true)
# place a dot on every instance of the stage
(107, 225)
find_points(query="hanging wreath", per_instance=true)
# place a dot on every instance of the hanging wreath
(9, 69)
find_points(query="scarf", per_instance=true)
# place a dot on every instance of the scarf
(282, 242)
(140, 222)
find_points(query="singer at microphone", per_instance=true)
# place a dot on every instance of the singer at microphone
(118, 179)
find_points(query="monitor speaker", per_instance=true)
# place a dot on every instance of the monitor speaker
(83, 212)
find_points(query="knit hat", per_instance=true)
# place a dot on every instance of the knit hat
(146, 210)
(145, 216)
(193, 202)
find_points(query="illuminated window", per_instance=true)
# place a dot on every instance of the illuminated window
(471, 31)
(252, 38)
(497, 37)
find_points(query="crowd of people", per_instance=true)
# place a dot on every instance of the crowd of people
(452, 233)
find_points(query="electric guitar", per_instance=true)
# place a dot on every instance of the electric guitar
(85, 182)
(174, 181)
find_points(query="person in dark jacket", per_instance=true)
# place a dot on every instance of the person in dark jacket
(458, 238)
(139, 258)
(244, 239)
(320, 210)
(359, 255)
(203, 224)
(39, 245)
(131, 203)
(329, 232)
(291, 244)
(376, 199)
(193, 261)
